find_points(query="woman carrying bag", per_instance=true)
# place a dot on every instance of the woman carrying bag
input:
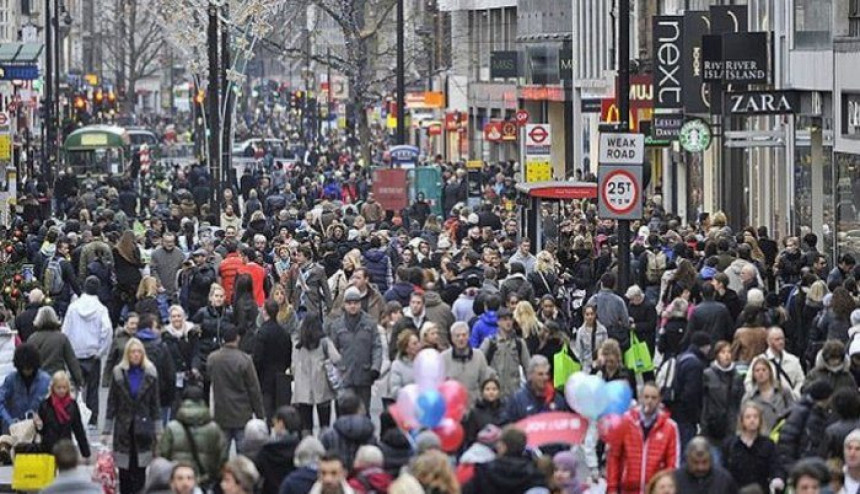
(311, 387)
(133, 416)
(59, 416)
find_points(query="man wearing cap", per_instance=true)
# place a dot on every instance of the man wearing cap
(506, 353)
(357, 339)
(235, 388)
(165, 262)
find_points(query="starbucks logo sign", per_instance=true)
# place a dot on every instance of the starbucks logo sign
(695, 136)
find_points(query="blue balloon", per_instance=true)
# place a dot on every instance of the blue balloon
(618, 395)
(586, 395)
(430, 408)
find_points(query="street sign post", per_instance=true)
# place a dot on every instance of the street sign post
(522, 117)
(619, 190)
(538, 146)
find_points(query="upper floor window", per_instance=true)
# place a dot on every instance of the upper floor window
(812, 23)
(854, 18)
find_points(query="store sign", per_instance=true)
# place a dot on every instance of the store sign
(763, 103)
(542, 93)
(745, 58)
(504, 64)
(19, 72)
(404, 155)
(493, 131)
(729, 19)
(712, 58)
(509, 131)
(388, 189)
(565, 64)
(695, 91)
(851, 115)
(695, 136)
(590, 105)
(666, 127)
(668, 48)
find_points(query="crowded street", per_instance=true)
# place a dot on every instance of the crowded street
(430, 246)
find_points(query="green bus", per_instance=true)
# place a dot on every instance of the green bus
(98, 150)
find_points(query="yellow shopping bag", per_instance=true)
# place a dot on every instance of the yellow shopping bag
(32, 471)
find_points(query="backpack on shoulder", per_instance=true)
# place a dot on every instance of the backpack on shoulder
(655, 266)
(53, 279)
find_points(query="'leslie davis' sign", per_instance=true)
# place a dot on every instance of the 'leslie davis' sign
(622, 149)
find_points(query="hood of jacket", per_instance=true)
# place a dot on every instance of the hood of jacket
(355, 428)
(509, 474)
(820, 364)
(193, 413)
(146, 334)
(490, 318)
(402, 289)
(88, 306)
(478, 453)
(432, 298)
(375, 255)
(280, 451)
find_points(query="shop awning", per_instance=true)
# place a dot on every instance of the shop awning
(20, 53)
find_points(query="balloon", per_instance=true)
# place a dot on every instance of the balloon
(407, 399)
(611, 428)
(430, 408)
(450, 434)
(401, 421)
(572, 383)
(428, 369)
(456, 399)
(585, 395)
(618, 395)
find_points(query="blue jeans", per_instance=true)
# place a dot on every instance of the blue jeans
(687, 431)
(237, 434)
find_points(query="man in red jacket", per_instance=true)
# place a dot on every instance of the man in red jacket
(648, 443)
(229, 268)
(257, 272)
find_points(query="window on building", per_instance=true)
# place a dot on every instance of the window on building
(854, 18)
(812, 22)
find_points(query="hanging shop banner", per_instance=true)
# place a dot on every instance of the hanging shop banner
(389, 187)
(763, 103)
(565, 64)
(694, 92)
(745, 58)
(666, 127)
(712, 58)
(729, 19)
(504, 64)
(695, 136)
(668, 48)
(493, 131)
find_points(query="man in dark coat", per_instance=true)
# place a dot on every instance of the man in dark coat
(272, 357)
(352, 429)
(276, 458)
(535, 396)
(701, 474)
(803, 431)
(24, 320)
(511, 471)
(711, 317)
(306, 460)
(690, 368)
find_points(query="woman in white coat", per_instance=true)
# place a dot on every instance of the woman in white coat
(408, 346)
(311, 388)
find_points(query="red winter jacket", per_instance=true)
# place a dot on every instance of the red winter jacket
(632, 461)
(258, 279)
(229, 268)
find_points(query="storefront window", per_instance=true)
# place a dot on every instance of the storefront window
(847, 203)
(812, 21)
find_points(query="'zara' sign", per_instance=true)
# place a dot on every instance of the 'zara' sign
(763, 103)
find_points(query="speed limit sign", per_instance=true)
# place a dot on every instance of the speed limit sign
(620, 192)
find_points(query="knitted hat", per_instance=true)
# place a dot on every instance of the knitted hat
(700, 339)
(352, 294)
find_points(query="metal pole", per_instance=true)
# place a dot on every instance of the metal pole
(401, 77)
(50, 140)
(55, 22)
(227, 94)
(623, 98)
(214, 104)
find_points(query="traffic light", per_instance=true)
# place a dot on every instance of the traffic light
(200, 97)
(98, 97)
(80, 102)
(111, 99)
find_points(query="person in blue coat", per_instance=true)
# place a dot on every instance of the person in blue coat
(25, 388)
(536, 396)
(306, 460)
(487, 325)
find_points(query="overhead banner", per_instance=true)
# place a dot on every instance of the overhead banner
(695, 92)
(763, 103)
(504, 64)
(668, 48)
(565, 64)
(745, 58)
(666, 127)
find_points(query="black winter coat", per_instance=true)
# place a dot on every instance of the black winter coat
(127, 274)
(213, 322)
(833, 444)
(689, 374)
(483, 414)
(272, 354)
(505, 475)
(723, 392)
(348, 433)
(53, 431)
(275, 461)
(134, 422)
(644, 317)
(755, 464)
(803, 432)
(396, 450)
(714, 319)
(717, 481)
(201, 280)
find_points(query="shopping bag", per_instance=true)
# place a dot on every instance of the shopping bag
(32, 471)
(86, 413)
(23, 431)
(563, 365)
(104, 472)
(637, 358)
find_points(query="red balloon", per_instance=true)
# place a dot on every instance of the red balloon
(450, 434)
(456, 399)
(611, 428)
(399, 419)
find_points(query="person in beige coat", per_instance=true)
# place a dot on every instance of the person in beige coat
(311, 388)
(466, 364)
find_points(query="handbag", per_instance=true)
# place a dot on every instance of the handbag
(563, 365)
(86, 413)
(332, 373)
(638, 358)
(32, 471)
(23, 431)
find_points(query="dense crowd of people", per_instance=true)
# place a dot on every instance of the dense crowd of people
(277, 321)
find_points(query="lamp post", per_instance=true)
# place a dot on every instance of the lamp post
(623, 98)
(48, 106)
(401, 76)
(213, 98)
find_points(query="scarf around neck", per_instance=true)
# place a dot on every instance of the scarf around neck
(59, 405)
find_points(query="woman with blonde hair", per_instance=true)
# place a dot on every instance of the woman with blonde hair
(133, 416)
(147, 291)
(662, 483)
(429, 336)
(285, 309)
(339, 281)
(525, 320)
(433, 471)
(544, 278)
(59, 416)
(750, 456)
(767, 392)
